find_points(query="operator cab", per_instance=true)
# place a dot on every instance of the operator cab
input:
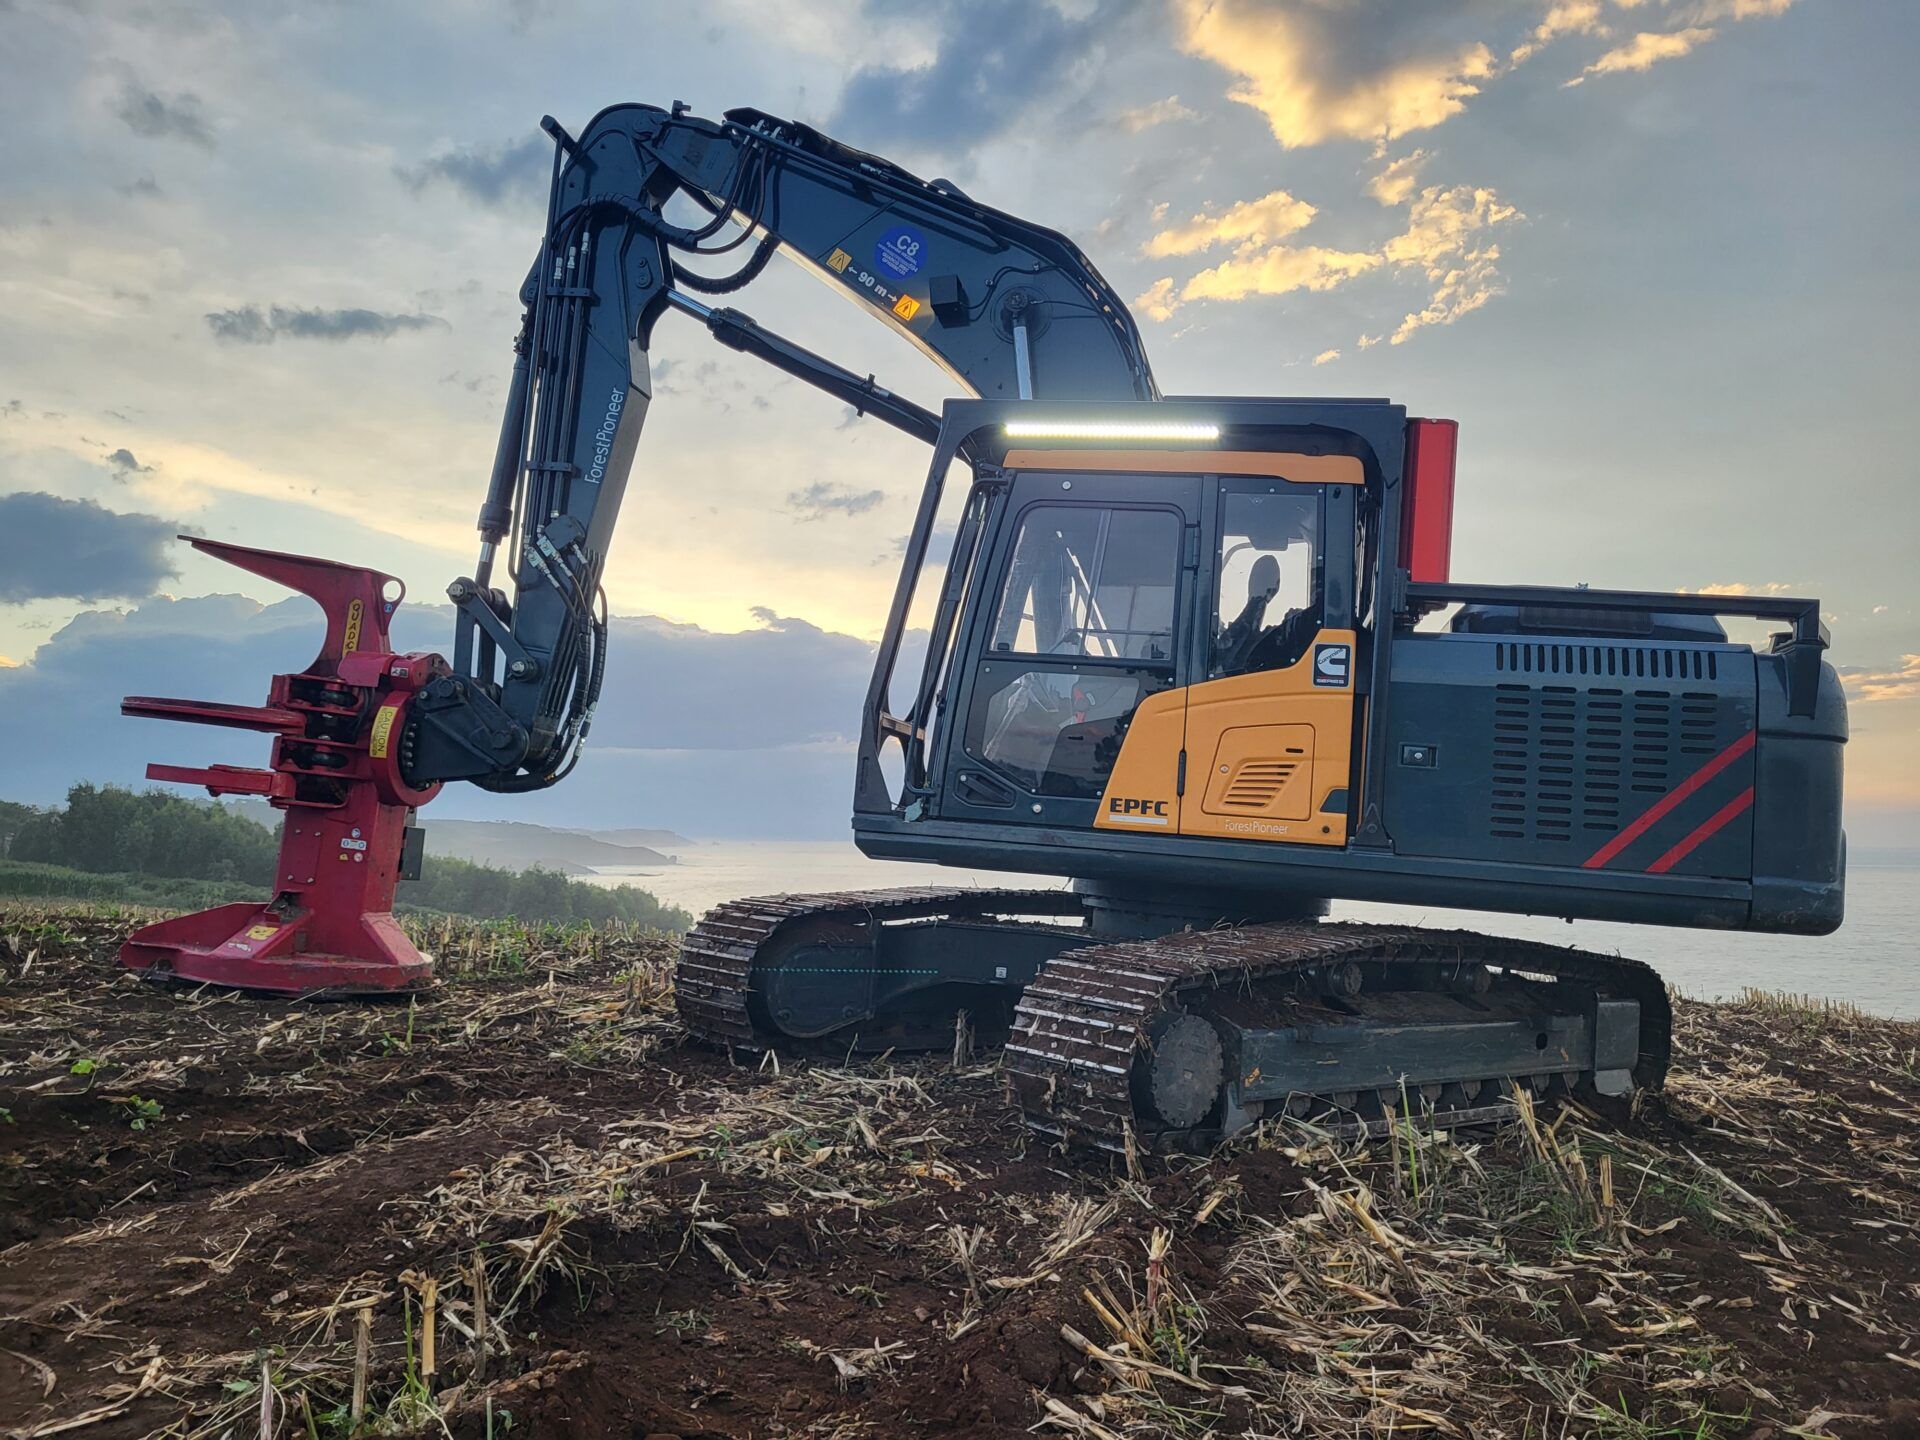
(1176, 646)
(1118, 601)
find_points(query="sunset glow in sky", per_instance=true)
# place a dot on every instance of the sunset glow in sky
(258, 265)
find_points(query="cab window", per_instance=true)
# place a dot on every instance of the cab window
(1083, 632)
(1091, 580)
(1270, 578)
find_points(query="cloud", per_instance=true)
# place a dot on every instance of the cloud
(1368, 70)
(823, 498)
(701, 730)
(124, 464)
(1376, 82)
(1375, 70)
(492, 175)
(1650, 47)
(1248, 223)
(249, 325)
(1443, 240)
(1741, 9)
(1394, 185)
(1458, 290)
(1743, 587)
(1326, 357)
(74, 549)
(1157, 301)
(159, 117)
(1901, 682)
(996, 61)
(1442, 222)
(1279, 271)
(1159, 112)
(1563, 17)
(1646, 50)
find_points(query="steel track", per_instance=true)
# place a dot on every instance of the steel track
(1082, 1025)
(714, 979)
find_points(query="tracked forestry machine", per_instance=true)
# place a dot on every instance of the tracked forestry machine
(1175, 656)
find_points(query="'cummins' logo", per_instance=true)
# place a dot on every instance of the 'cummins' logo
(1332, 665)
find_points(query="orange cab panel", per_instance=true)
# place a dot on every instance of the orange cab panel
(1267, 751)
(1143, 793)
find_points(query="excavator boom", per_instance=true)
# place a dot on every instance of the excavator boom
(1006, 307)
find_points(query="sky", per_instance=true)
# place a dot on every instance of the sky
(258, 265)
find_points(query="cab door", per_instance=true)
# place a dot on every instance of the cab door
(1073, 639)
(1269, 727)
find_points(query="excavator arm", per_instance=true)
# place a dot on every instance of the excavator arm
(1007, 308)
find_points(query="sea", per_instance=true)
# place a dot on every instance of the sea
(1872, 961)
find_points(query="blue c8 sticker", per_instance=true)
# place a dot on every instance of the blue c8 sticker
(900, 251)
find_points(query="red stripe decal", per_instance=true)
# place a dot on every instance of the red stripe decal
(1666, 803)
(1701, 832)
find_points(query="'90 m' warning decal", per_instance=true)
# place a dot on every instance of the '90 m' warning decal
(876, 285)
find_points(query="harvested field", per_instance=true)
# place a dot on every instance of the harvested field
(522, 1206)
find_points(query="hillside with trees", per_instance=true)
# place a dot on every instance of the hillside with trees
(151, 847)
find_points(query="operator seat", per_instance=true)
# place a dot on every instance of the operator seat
(1236, 642)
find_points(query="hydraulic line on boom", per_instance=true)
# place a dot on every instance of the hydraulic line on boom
(528, 665)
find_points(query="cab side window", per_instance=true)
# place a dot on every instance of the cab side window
(1088, 580)
(1270, 578)
(1082, 634)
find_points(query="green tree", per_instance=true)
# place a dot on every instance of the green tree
(153, 845)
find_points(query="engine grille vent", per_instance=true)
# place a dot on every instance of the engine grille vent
(1628, 662)
(1573, 763)
(1258, 784)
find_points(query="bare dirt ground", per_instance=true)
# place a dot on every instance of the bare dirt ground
(530, 1210)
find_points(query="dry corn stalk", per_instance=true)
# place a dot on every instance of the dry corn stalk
(1158, 1244)
(478, 1279)
(362, 1354)
(966, 1246)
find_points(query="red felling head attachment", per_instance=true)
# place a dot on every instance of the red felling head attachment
(338, 726)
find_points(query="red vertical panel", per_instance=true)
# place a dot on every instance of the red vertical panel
(1426, 512)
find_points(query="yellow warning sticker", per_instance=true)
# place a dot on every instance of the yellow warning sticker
(262, 932)
(352, 641)
(906, 307)
(382, 735)
(838, 261)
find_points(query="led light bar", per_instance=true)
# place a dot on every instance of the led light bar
(1110, 430)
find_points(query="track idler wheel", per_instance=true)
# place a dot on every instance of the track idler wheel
(1180, 1074)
